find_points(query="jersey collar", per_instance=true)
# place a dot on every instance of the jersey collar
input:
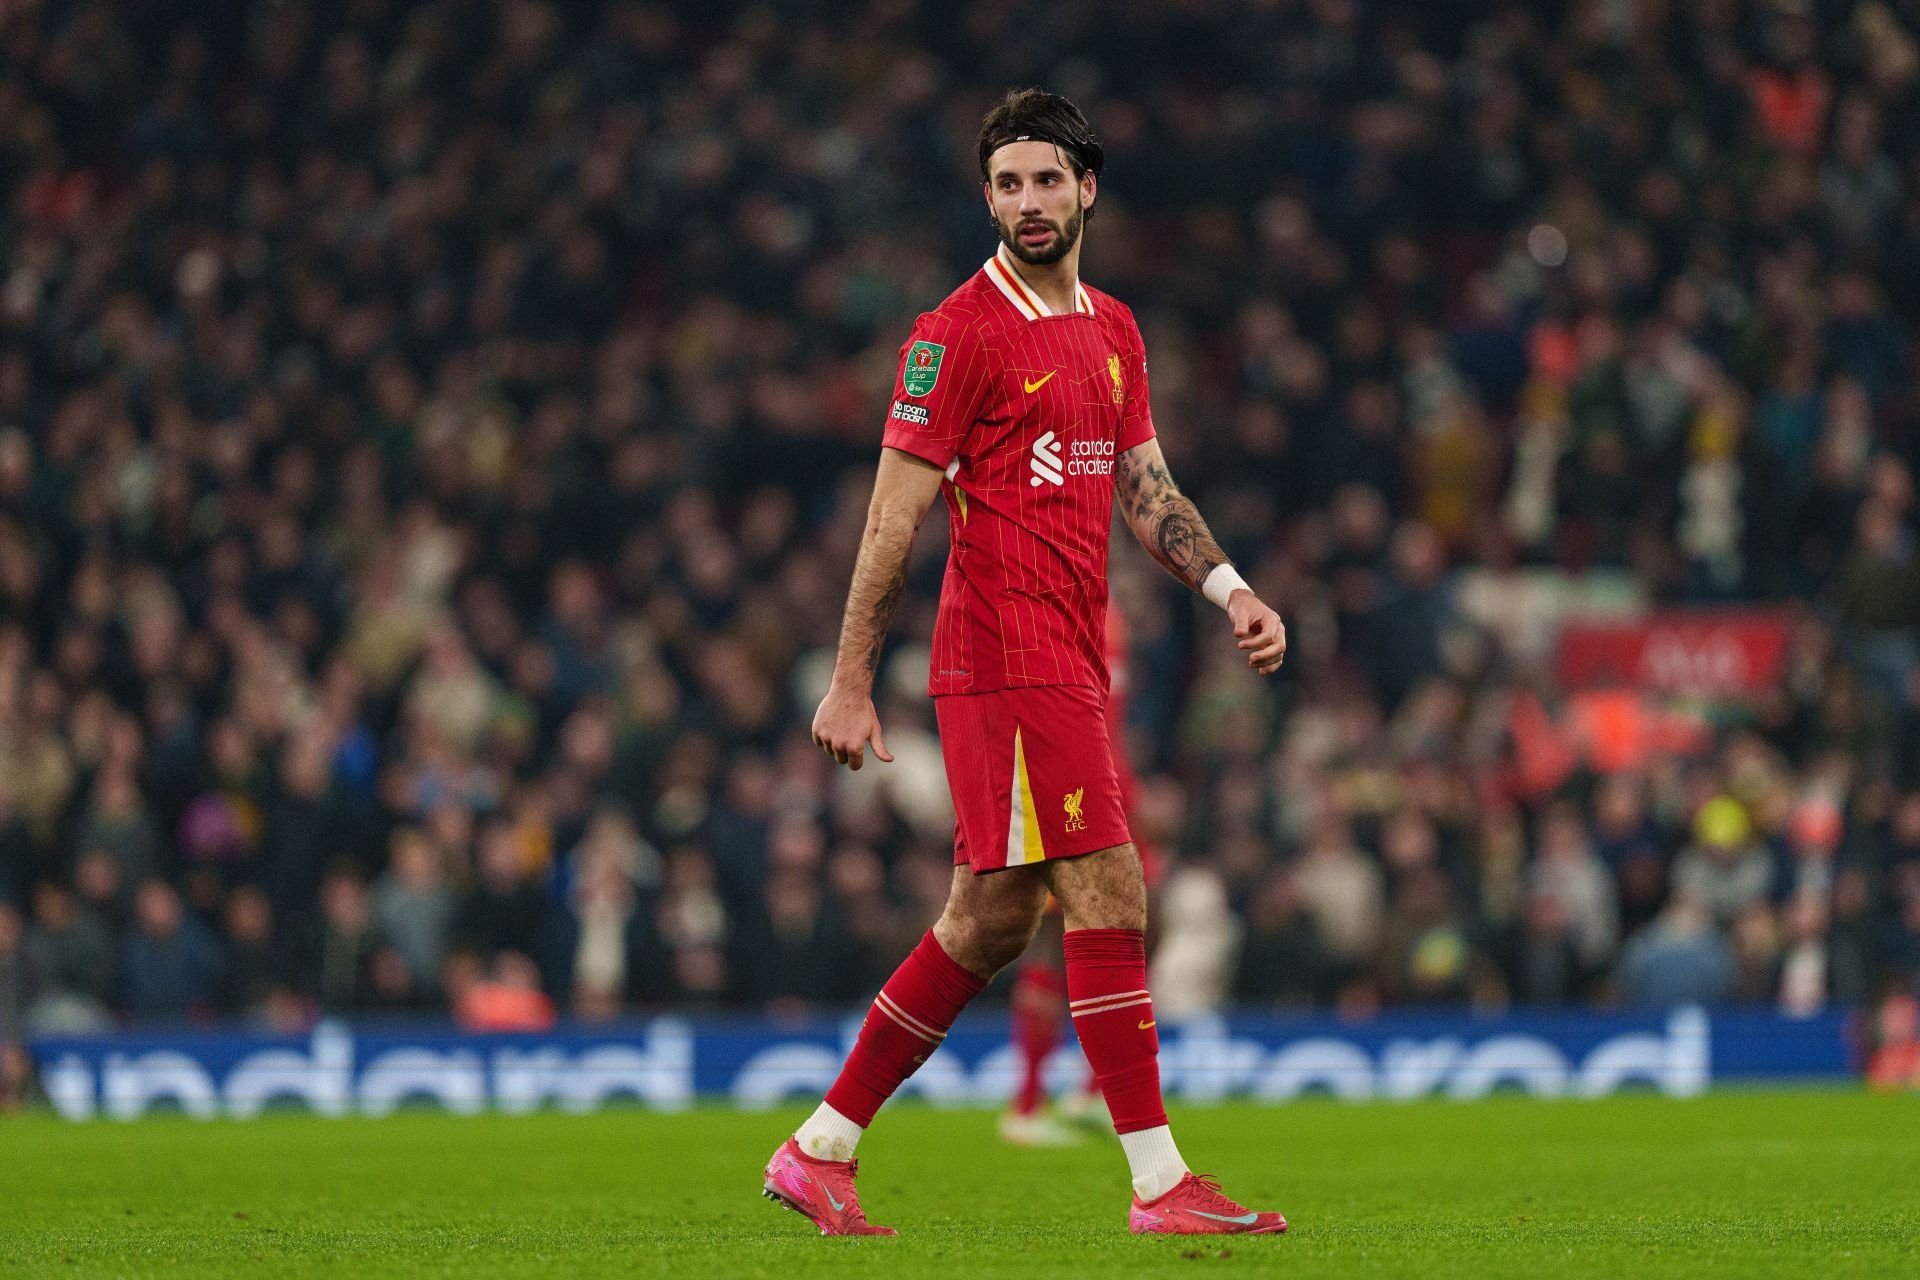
(1006, 278)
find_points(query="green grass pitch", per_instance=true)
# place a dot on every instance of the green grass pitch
(1733, 1184)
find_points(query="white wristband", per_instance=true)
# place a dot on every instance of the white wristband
(1222, 582)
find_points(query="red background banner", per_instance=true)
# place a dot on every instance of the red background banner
(1699, 652)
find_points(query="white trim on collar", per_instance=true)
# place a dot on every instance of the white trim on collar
(1006, 278)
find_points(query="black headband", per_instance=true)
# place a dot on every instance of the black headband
(1085, 150)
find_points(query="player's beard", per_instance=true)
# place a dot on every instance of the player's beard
(1064, 238)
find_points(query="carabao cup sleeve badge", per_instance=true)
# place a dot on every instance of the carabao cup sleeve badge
(923, 368)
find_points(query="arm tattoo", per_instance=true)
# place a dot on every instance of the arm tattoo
(1166, 521)
(1181, 541)
(879, 576)
(882, 614)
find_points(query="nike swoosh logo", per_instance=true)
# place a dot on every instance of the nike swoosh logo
(1035, 386)
(1245, 1219)
(1145, 1025)
(837, 1207)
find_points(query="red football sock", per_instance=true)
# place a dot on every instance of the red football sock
(1113, 1015)
(908, 1021)
(1038, 997)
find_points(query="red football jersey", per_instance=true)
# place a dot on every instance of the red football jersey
(1026, 411)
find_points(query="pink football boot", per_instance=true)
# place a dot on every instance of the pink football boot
(1195, 1207)
(820, 1189)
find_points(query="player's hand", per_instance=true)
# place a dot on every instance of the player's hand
(1263, 637)
(845, 723)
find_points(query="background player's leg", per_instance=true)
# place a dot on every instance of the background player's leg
(1104, 897)
(987, 923)
(1039, 1015)
(1039, 1009)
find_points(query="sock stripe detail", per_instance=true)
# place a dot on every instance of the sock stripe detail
(1109, 1008)
(1113, 1016)
(1093, 1000)
(907, 1020)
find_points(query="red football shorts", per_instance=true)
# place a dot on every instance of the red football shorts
(1032, 775)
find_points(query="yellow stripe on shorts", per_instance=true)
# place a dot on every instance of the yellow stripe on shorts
(1023, 827)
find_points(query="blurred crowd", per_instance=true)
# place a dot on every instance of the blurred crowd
(434, 437)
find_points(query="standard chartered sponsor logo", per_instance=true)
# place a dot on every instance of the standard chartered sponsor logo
(338, 1071)
(1082, 458)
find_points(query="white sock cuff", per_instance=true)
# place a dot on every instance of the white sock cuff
(828, 1135)
(1155, 1161)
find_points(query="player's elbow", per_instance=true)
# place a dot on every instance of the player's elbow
(902, 505)
(894, 521)
(889, 537)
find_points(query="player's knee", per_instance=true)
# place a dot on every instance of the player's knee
(1103, 890)
(1107, 912)
(1002, 948)
(985, 943)
(1001, 939)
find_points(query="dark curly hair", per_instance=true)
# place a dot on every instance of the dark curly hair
(1036, 115)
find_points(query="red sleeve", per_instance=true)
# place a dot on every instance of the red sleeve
(1136, 415)
(939, 390)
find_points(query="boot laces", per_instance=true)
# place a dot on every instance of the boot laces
(1210, 1191)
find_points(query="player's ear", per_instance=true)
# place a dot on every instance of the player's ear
(1089, 189)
